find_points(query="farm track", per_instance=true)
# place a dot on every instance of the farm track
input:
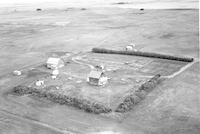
(74, 59)
(181, 70)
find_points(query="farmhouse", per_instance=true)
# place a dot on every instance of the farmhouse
(97, 78)
(53, 63)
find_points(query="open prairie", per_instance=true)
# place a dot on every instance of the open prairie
(27, 38)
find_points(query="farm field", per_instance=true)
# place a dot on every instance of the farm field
(28, 38)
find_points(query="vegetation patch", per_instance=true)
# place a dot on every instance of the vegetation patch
(52, 93)
(135, 97)
(144, 54)
(121, 3)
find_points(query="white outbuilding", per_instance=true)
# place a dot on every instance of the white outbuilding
(17, 72)
(131, 47)
(53, 63)
(39, 83)
(55, 73)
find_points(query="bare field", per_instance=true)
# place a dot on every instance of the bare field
(27, 38)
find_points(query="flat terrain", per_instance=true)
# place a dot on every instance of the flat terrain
(155, 4)
(27, 38)
(125, 73)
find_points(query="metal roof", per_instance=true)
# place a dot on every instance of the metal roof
(53, 60)
(95, 74)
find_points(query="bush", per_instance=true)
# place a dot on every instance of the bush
(128, 103)
(136, 99)
(141, 94)
(21, 90)
(150, 84)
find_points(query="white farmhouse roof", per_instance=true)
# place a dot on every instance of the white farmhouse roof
(95, 74)
(53, 60)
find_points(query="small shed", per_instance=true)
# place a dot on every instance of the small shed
(53, 63)
(97, 78)
(39, 83)
(131, 47)
(17, 72)
(55, 73)
(100, 68)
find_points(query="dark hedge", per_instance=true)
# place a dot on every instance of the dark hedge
(144, 54)
(135, 97)
(48, 93)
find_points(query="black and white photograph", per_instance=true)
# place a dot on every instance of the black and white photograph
(99, 67)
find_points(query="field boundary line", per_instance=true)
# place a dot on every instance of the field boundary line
(36, 122)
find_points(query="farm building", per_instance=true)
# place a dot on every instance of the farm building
(131, 47)
(17, 72)
(53, 63)
(39, 83)
(97, 78)
(100, 68)
(55, 73)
